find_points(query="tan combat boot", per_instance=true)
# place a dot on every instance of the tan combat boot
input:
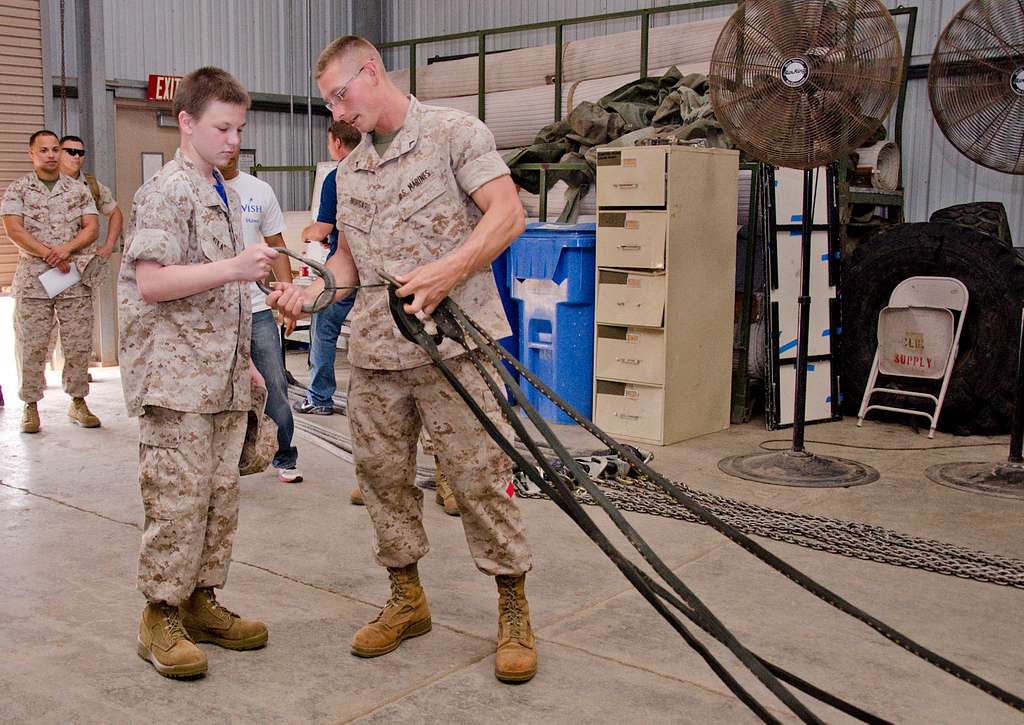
(516, 657)
(406, 615)
(30, 418)
(164, 643)
(206, 620)
(79, 413)
(356, 497)
(445, 496)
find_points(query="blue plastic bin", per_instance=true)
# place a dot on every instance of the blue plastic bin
(551, 275)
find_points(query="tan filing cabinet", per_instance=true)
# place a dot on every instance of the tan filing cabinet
(666, 268)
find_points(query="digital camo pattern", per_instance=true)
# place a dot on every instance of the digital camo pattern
(260, 436)
(188, 473)
(33, 321)
(52, 217)
(95, 273)
(203, 341)
(386, 409)
(101, 195)
(410, 207)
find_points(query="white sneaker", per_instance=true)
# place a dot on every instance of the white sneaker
(288, 475)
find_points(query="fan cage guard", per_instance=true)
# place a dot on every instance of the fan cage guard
(976, 83)
(800, 83)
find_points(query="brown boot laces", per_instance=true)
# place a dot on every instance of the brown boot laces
(513, 612)
(397, 595)
(214, 604)
(175, 629)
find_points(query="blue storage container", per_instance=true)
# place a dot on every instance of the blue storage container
(551, 275)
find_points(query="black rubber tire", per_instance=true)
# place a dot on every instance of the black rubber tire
(980, 395)
(987, 217)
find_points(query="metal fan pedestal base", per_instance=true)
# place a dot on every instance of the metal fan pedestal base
(1005, 480)
(798, 468)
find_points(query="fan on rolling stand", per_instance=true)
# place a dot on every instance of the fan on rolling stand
(976, 87)
(800, 83)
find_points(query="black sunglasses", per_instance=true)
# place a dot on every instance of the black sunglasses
(75, 152)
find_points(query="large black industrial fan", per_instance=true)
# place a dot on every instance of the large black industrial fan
(801, 83)
(976, 88)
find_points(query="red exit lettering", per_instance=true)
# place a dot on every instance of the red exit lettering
(162, 88)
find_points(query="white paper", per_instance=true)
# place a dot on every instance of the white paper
(54, 281)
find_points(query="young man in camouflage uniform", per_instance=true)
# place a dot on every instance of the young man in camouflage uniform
(425, 197)
(185, 322)
(52, 220)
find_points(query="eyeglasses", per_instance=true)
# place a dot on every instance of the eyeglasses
(339, 95)
(75, 152)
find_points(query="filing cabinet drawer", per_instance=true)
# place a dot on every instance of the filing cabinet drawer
(629, 411)
(635, 354)
(634, 239)
(630, 298)
(631, 176)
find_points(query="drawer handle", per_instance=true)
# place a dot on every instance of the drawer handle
(627, 360)
(627, 416)
(620, 304)
(631, 247)
(625, 186)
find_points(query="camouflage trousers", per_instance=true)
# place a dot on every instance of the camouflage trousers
(188, 473)
(386, 409)
(33, 322)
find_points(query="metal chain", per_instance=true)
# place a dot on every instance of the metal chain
(853, 539)
(458, 321)
(63, 78)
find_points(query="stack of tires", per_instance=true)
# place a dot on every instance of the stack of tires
(971, 243)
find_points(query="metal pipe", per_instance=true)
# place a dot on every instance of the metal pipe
(559, 37)
(309, 84)
(546, 24)
(1017, 431)
(481, 79)
(542, 213)
(412, 69)
(907, 53)
(805, 313)
(645, 29)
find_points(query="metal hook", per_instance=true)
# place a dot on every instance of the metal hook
(321, 271)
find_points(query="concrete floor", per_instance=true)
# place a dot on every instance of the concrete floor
(69, 530)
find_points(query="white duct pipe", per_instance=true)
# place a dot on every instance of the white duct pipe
(883, 158)
(599, 57)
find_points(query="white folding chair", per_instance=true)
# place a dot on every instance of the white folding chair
(918, 337)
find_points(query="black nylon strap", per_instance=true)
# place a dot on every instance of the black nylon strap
(561, 494)
(750, 545)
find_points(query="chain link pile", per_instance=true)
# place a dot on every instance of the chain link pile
(852, 539)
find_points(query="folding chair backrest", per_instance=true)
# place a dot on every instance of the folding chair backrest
(942, 292)
(915, 342)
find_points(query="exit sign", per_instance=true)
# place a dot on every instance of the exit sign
(162, 88)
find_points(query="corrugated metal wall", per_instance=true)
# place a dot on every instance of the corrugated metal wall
(261, 42)
(936, 175)
(21, 103)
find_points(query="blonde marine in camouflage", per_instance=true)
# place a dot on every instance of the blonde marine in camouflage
(183, 303)
(426, 198)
